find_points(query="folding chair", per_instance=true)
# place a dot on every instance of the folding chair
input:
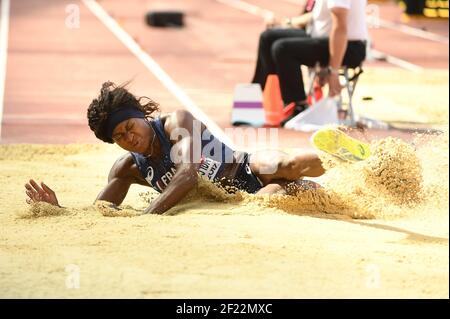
(349, 76)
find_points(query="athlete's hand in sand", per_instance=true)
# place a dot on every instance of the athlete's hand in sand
(41, 193)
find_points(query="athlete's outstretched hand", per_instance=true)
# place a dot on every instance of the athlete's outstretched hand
(41, 193)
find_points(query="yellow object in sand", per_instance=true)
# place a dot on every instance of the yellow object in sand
(339, 144)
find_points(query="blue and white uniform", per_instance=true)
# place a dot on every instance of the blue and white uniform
(158, 174)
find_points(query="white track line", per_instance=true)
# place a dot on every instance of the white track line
(413, 31)
(396, 61)
(263, 13)
(4, 30)
(157, 71)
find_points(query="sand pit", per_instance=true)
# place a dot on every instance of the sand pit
(378, 228)
(404, 98)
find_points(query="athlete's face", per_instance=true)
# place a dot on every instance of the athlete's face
(133, 135)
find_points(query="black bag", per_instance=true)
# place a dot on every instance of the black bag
(165, 19)
(415, 6)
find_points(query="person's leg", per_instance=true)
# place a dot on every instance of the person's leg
(295, 167)
(271, 189)
(265, 64)
(355, 54)
(283, 187)
(289, 55)
(276, 165)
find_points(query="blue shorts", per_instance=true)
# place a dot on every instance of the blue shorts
(245, 179)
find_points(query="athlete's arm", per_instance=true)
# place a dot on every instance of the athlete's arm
(122, 174)
(180, 125)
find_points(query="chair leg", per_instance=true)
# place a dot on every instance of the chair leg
(348, 85)
(312, 76)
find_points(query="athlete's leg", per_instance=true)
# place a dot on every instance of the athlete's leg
(284, 187)
(271, 166)
(271, 189)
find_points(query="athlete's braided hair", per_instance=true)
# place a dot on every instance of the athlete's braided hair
(111, 98)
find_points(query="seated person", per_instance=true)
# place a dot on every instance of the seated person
(335, 35)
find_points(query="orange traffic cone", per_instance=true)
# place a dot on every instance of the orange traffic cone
(316, 95)
(273, 103)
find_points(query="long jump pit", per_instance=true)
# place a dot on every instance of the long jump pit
(378, 228)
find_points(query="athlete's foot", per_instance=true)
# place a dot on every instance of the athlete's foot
(339, 144)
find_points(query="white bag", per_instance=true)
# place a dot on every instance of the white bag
(248, 106)
(324, 112)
